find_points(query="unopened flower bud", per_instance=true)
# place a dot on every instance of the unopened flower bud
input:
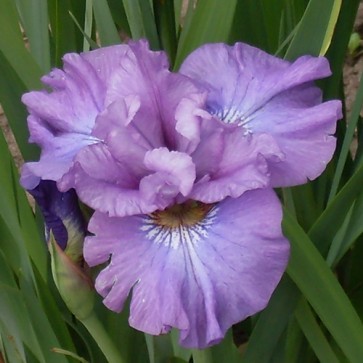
(74, 286)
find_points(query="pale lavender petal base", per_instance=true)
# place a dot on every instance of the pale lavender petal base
(199, 279)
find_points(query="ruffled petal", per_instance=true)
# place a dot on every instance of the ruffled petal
(57, 157)
(75, 101)
(240, 167)
(200, 279)
(179, 166)
(304, 135)
(169, 101)
(263, 94)
(105, 184)
(247, 77)
(107, 60)
(61, 121)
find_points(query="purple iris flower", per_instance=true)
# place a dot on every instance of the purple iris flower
(160, 147)
(177, 207)
(179, 168)
(263, 94)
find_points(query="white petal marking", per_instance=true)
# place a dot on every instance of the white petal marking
(174, 237)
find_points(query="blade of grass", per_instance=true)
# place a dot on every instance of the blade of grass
(11, 89)
(165, 22)
(327, 225)
(338, 48)
(352, 230)
(315, 29)
(149, 23)
(34, 16)
(87, 32)
(62, 29)
(351, 126)
(16, 213)
(87, 40)
(202, 356)
(211, 21)
(106, 28)
(331, 26)
(262, 343)
(294, 341)
(314, 334)
(320, 287)
(12, 47)
(140, 16)
(134, 17)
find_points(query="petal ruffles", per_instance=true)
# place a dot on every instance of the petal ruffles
(264, 94)
(200, 279)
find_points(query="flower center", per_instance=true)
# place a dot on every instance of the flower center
(189, 213)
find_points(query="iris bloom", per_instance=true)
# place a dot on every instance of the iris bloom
(179, 168)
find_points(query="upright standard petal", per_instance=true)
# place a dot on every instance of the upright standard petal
(263, 94)
(199, 268)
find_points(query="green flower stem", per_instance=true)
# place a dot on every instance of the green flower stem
(98, 332)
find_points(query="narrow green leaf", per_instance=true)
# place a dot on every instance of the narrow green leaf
(262, 343)
(88, 42)
(17, 241)
(352, 230)
(34, 16)
(331, 26)
(338, 48)
(320, 287)
(149, 23)
(141, 20)
(11, 89)
(12, 47)
(15, 317)
(294, 341)
(134, 17)
(259, 23)
(315, 29)
(165, 22)
(19, 220)
(352, 123)
(314, 334)
(46, 295)
(62, 29)
(327, 225)
(178, 7)
(226, 350)
(43, 332)
(202, 356)
(106, 28)
(119, 17)
(211, 22)
(178, 350)
(87, 32)
(70, 354)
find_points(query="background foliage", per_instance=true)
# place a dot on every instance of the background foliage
(315, 313)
